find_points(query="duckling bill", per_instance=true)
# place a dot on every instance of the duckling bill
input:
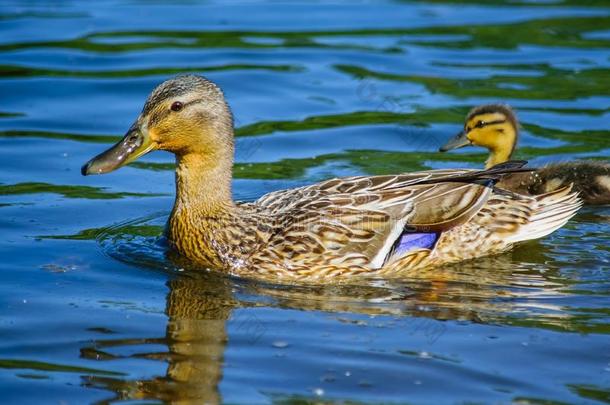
(358, 226)
(458, 141)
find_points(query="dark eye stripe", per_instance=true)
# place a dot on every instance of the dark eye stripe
(191, 102)
(486, 124)
(159, 116)
(495, 122)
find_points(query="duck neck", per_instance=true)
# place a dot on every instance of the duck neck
(203, 185)
(503, 148)
(498, 156)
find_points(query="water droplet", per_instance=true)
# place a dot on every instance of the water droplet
(280, 344)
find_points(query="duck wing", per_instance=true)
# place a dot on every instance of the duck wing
(356, 221)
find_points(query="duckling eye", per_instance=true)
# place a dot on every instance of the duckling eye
(176, 106)
(480, 124)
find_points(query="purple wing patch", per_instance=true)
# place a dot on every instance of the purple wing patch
(412, 241)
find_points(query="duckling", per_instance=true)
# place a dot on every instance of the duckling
(495, 127)
(362, 226)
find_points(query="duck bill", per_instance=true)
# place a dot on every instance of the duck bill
(458, 141)
(133, 145)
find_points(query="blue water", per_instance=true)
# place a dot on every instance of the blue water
(91, 310)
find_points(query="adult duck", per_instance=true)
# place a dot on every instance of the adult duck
(355, 226)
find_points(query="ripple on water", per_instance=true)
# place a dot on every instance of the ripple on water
(138, 242)
(99, 313)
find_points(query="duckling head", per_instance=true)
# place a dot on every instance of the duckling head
(184, 115)
(492, 126)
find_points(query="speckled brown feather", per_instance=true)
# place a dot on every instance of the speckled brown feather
(590, 179)
(319, 232)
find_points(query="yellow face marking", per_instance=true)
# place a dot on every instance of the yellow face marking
(481, 129)
(494, 131)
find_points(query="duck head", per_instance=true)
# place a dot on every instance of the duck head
(492, 126)
(184, 115)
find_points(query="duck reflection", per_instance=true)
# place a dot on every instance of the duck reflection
(198, 308)
(201, 304)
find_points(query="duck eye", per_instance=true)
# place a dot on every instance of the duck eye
(176, 106)
(480, 124)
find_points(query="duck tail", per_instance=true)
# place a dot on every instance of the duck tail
(550, 212)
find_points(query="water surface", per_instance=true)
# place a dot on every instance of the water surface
(92, 310)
